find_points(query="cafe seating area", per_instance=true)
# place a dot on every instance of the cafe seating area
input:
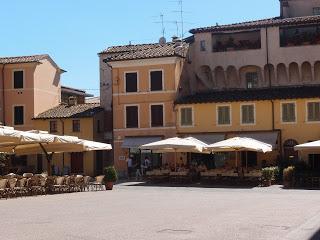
(194, 174)
(28, 184)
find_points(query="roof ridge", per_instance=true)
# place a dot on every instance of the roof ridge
(25, 56)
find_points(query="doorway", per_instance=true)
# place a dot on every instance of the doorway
(77, 163)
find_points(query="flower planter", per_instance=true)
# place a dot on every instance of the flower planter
(109, 185)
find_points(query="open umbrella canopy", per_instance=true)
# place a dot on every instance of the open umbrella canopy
(308, 146)
(239, 144)
(176, 144)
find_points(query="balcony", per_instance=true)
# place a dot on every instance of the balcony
(224, 42)
(299, 36)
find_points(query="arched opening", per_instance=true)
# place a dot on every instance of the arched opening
(204, 76)
(269, 74)
(282, 76)
(288, 149)
(306, 72)
(220, 77)
(294, 75)
(317, 71)
(250, 76)
(232, 77)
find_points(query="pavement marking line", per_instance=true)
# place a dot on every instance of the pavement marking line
(306, 230)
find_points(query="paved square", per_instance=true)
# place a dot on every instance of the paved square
(144, 213)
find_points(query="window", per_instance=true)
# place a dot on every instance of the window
(76, 125)
(17, 79)
(131, 82)
(251, 79)
(249, 159)
(186, 116)
(156, 80)
(313, 111)
(314, 161)
(202, 45)
(156, 115)
(132, 117)
(316, 11)
(53, 127)
(224, 115)
(247, 114)
(288, 112)
(18, 115)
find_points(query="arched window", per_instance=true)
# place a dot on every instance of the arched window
(232, 77)
(282, 76)
(294, 75)
(306, 72)
(288, 149)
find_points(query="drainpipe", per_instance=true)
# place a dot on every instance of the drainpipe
(3, 97)
(272, 101)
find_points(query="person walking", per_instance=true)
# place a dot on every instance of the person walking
(129, 166)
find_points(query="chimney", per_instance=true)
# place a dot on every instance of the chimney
(72, 101)
(162, 41)
(284, 8)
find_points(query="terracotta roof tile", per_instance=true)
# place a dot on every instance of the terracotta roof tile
(261, 94)
(144, 51)
(75, 111)
(277, 21)
(22, 59)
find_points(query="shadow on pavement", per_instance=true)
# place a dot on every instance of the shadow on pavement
(315, 236)
(194, 185)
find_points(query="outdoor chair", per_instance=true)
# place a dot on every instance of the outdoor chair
(86, 183)
(98, 183)
(79, 183)
(21, 188)
(3, 188)
(27, 175)
(59, 185)
(34, 185)
(12, 183)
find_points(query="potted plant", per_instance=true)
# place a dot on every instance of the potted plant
(288, 174)
(110, 177)
(267, 175)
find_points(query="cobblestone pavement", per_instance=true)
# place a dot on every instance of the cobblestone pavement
(164, 213)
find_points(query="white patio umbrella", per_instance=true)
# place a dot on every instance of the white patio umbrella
(238, 144)
(50, 144)
(308, 146)
(175, 145)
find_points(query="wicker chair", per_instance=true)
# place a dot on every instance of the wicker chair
(12, 183)
(79, 183)
(86, 183)
(98, 183)
(3, 188)
(34, 185)
(21, 188)
(59, 185)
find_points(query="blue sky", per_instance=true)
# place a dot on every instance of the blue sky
(74, 31)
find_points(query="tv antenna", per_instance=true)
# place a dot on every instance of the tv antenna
(163, 29)
(181, 11)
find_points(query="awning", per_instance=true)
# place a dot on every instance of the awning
(209, 138)
(136, 142)
(267, 137)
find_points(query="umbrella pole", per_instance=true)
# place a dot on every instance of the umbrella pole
(175, 160)
(48, 157)
(246, 160)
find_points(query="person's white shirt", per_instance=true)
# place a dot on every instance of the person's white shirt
(129, 162)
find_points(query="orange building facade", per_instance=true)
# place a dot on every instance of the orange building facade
(143, 94)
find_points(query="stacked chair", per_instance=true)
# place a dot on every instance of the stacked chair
(28, 184)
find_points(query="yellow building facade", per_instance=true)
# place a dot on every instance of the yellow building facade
(81, 120)
(282, 121)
